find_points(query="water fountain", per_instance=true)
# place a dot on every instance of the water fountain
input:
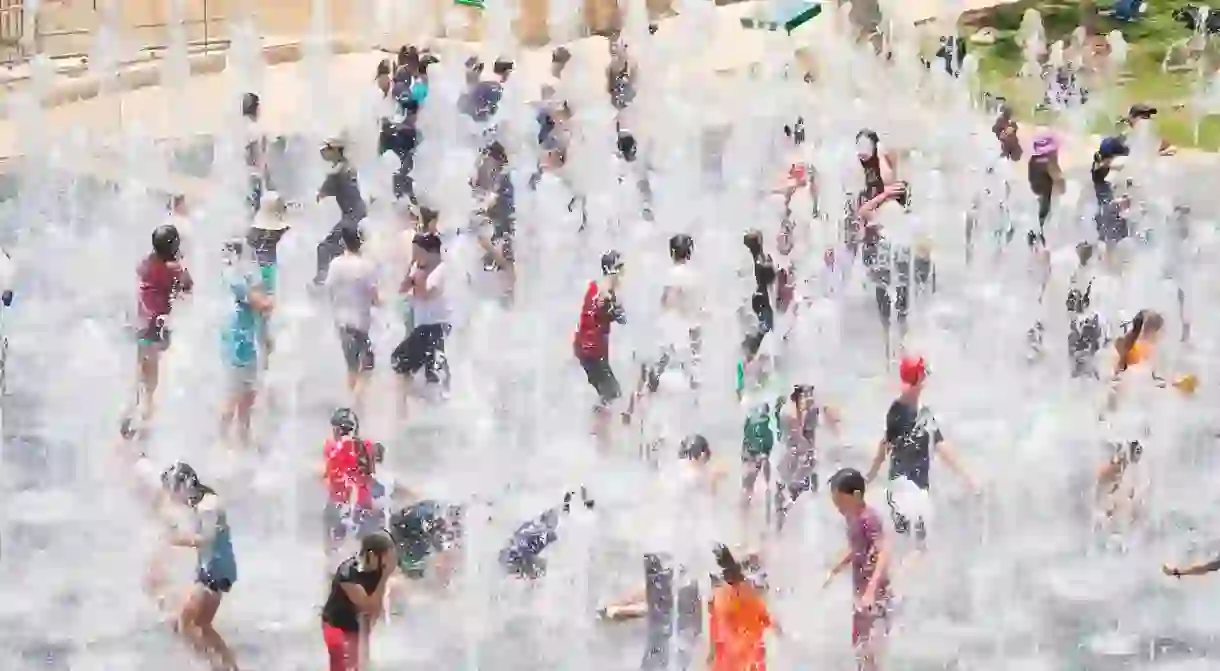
(1014, 578)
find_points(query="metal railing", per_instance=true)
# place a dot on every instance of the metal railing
(12, 29)
(14, 43)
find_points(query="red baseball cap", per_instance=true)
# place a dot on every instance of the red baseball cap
(912, 370)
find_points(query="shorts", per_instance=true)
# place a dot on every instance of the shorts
(794, 488)
(343, 520)
(269, 274)
(521, 565)
(902, 519)
(357, 349)
(883, 275)
(1112, 226)
(242, 379)
(212, 583)
(155, 335)
(254, 197)
(601, 378)
(411, 566)
(423, 348)
(342, 647)
(754, 453)
(869, 625)
(669, 361)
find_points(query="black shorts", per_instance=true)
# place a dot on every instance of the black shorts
(357, 349)
(794, 489)
(423, 348)
(155, 334)
(213, 584)
(1112, 226)
(255, 198)
(601, 378)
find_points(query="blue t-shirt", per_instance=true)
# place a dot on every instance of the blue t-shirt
(239, 340)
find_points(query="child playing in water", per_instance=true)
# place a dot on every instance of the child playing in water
(738, 620)
(761, 405)
(869, 556)
(216, 567)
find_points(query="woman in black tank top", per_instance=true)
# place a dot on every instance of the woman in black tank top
(870, 162)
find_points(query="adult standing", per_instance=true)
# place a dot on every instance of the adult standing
(424, 287)
(357, 591)
(341, 184)
(351, 282)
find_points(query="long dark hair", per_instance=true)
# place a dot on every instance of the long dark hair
(730, 570)
(1144, 320)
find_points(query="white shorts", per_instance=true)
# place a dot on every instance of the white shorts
(242, 379)
(910, 507)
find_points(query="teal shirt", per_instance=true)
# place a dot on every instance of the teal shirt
(240, 339)
(762, 416)
(419, 91)
(758, 431)
(217, 559)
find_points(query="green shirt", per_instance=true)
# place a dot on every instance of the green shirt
(762, 416)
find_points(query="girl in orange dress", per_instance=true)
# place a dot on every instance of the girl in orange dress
(739, 620)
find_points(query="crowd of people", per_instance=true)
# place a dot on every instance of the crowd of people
(400, 537)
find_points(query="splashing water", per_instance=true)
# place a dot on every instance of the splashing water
(1014, 579)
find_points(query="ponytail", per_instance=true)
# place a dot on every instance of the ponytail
(1127, 341)
(200, 490)
(730, 569)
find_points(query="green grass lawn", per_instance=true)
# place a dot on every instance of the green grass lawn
(1144, 80)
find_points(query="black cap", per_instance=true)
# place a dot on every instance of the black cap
(847, 481)
(1141, 111)
(612, 262)
(345, 420)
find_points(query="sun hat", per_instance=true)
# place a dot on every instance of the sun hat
(265, 219)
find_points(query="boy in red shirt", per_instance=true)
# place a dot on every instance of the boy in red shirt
(349, 462)
(591, 341)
